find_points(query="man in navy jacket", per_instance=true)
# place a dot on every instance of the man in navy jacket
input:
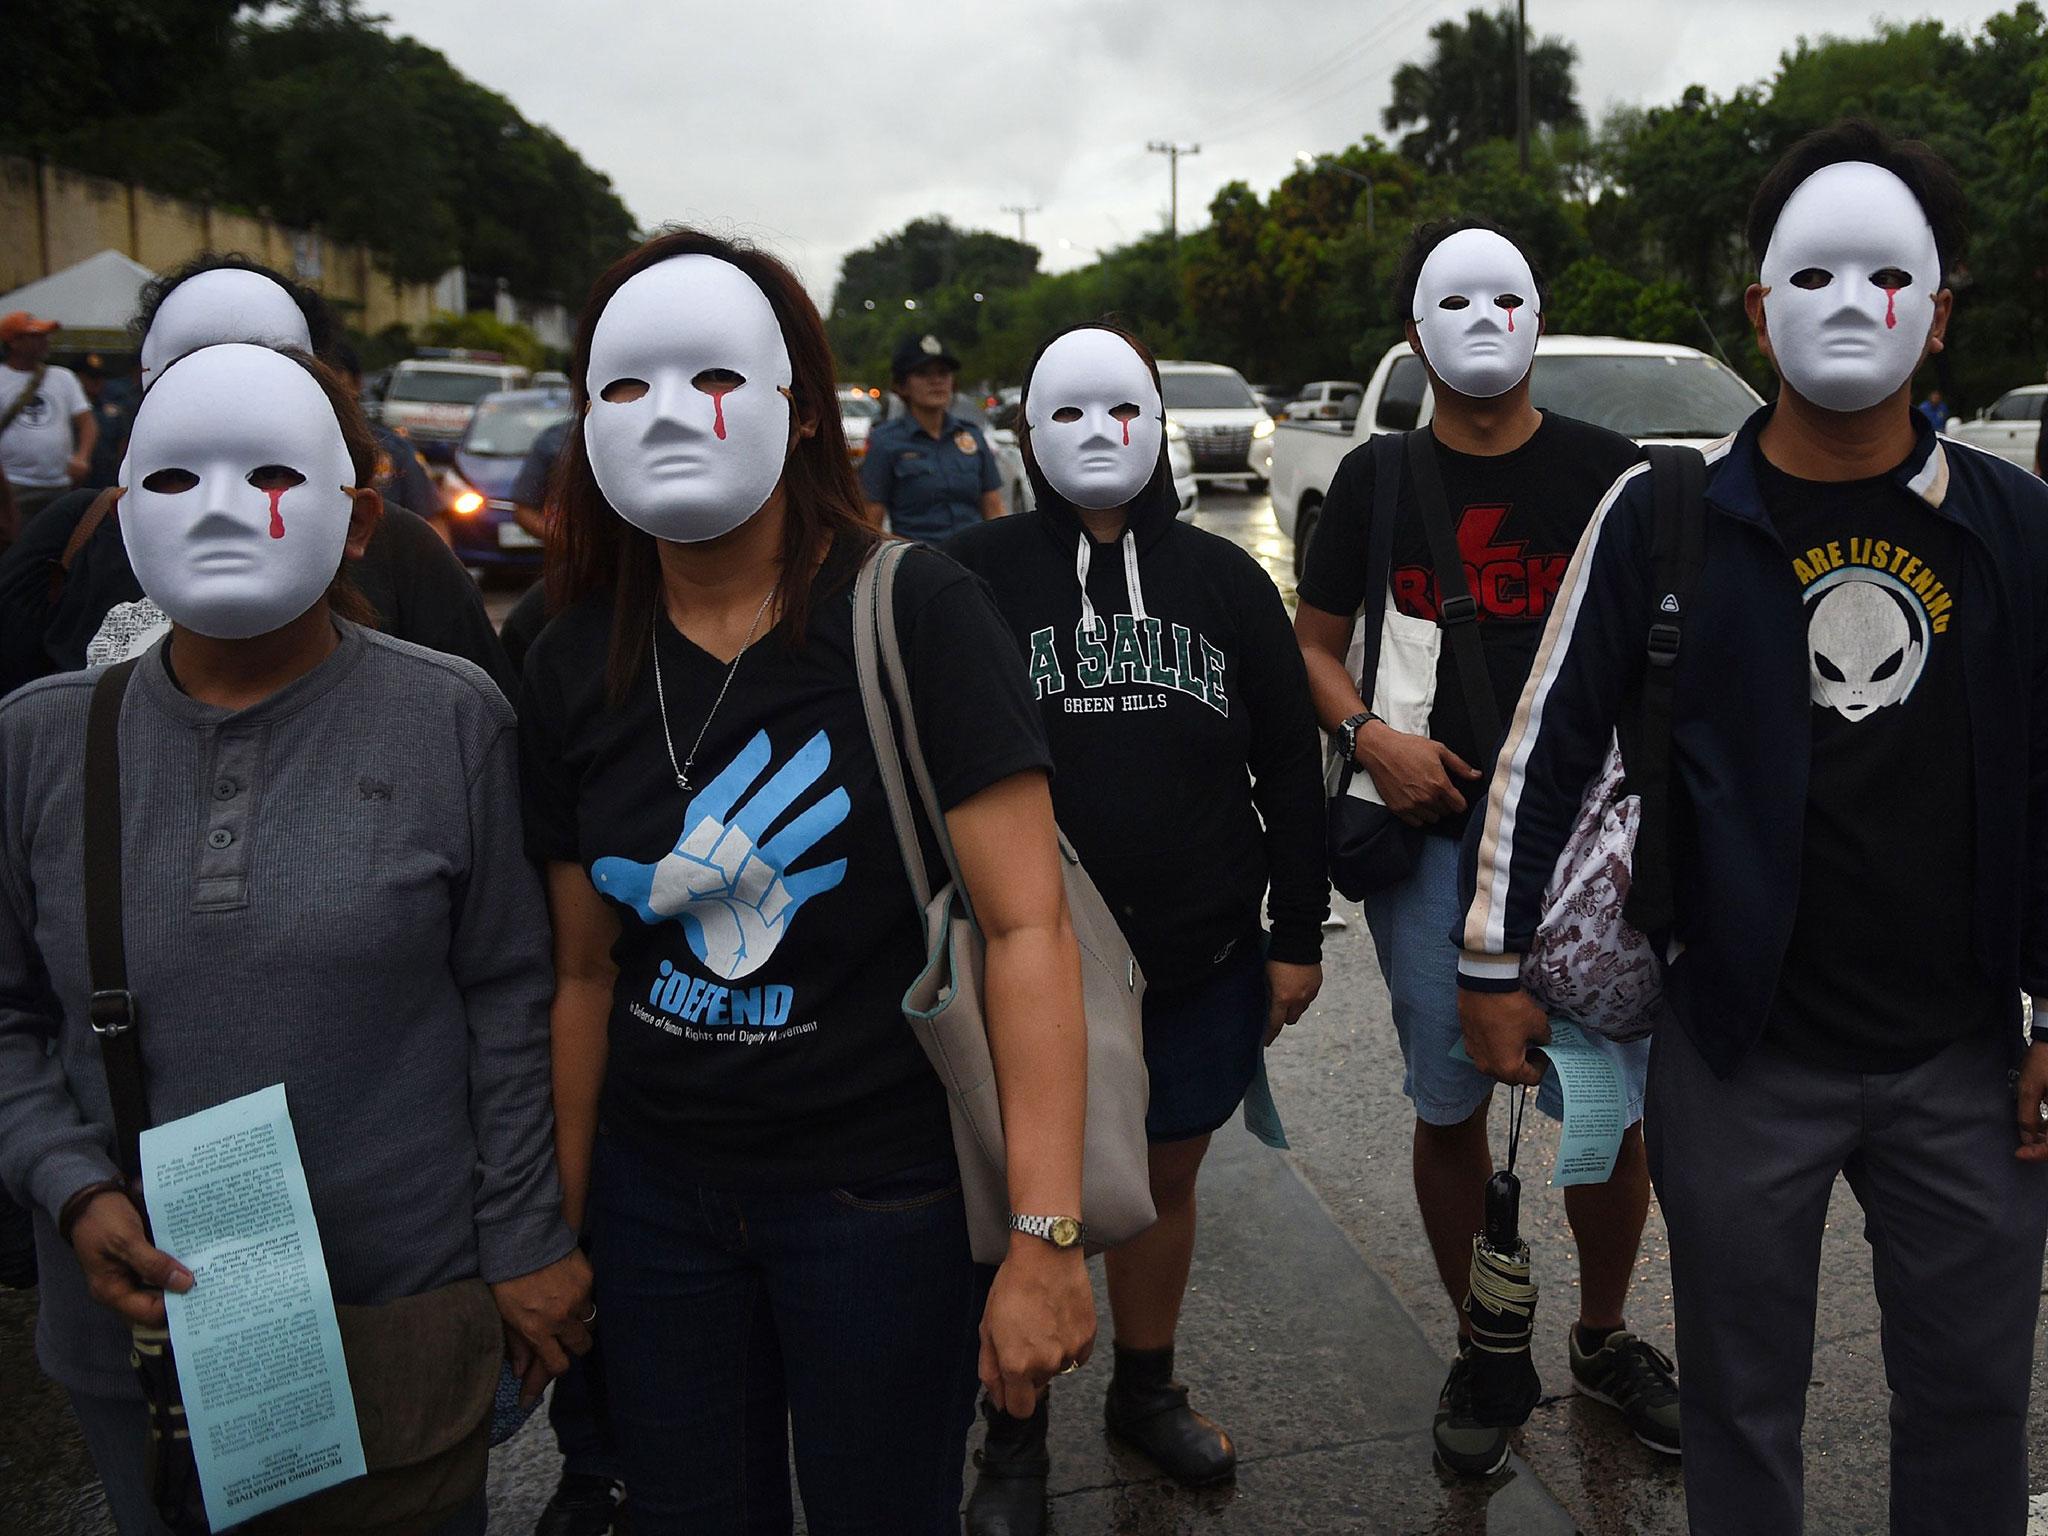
(1859, 856)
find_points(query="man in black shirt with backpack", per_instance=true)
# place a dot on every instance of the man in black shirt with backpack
(1487, 503)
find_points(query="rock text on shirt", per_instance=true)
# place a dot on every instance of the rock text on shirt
(1130, 651)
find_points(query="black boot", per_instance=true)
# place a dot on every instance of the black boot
(1149, 1410)
(1009, 1490)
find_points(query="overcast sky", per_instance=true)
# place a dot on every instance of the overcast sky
(816, 127)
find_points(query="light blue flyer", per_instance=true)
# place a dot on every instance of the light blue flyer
(1595, 1106)
(259, 1351)
(1261, 1114)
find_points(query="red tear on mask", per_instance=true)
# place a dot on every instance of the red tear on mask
(1511, 322)
(1127, 432)
(276, 517)
(718, 413)
(1891, 308)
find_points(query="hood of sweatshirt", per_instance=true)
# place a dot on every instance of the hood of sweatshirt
(1151, 513)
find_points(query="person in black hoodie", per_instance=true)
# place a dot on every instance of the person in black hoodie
(1187, 775)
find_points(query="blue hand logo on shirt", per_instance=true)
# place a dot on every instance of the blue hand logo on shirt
(734, 893)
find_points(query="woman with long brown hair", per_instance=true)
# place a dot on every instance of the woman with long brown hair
(747, 1128)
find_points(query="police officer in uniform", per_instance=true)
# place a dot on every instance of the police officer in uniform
(929, 471)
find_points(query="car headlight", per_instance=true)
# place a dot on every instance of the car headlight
(1264, 428)
(464, 499)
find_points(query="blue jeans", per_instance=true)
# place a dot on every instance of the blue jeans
(734, 1320)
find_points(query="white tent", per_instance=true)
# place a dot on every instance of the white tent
(98, 294)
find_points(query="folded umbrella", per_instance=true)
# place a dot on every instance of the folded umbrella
(1500, 1300)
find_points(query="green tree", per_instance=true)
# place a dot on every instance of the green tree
(1465, 95)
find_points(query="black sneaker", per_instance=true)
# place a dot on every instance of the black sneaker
(1630, 1374)
(583, 1506)
(1466, 1446)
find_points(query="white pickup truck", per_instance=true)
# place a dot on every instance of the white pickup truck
(1644, 390)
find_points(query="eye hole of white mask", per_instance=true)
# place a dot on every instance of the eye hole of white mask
(1454, 301)
(275, 477)
(623, 391)
(171, 482)
(718, 381)
(1812, 278)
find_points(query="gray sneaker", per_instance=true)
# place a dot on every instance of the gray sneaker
(1638, 1379)
(1466, 1446)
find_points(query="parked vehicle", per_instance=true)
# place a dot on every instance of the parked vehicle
(2010, 427)
(1226, 426)
(1326, 400)
(432, 396)
(1651, 392)
(476, 491)
(858, 411)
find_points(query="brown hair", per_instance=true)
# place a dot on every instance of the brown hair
(592, 550)
(343, 596)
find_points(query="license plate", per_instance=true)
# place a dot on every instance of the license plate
(512, 536)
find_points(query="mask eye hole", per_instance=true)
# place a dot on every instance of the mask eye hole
(170, 482)
(1454, 301)
(1812, 277)
(275, 477)
(1128, 411)
(1892, 278)
(719, 381)
(1067, 413)
(623, 391)
(1508, 300)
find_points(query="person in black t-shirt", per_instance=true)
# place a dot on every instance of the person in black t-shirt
(1189, 781)
(744, 1119)
(1520, 486)
(1860, 757)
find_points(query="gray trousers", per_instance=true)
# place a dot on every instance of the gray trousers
(1955, 1224)
(116, 1432)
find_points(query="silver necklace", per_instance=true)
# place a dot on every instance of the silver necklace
(661, 698)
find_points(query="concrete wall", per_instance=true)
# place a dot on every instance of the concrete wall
(51, 217)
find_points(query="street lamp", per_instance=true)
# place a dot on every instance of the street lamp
(910, 303)
(1314, 162)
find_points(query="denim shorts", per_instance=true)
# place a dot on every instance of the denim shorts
(1202, 1044)
(1412, 924)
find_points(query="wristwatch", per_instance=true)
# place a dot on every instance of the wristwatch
(1060, 1231)
(1347, 733)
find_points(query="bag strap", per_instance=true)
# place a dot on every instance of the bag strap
(868, 609)
(112, 1006)
(1457, 613)
(1379, 563)
(81, 534)
(28, 393)
(1678, 550)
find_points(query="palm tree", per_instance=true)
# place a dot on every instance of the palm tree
(1465, 94)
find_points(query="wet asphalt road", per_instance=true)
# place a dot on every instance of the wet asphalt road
(1336, 1077)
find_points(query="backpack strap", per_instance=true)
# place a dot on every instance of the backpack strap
(81, 534)
(112, 1006)
(1678, 552)
(1457, 613)
(1379, 560)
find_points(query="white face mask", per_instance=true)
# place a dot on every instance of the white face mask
(235, 511)
(1850, 278)
(226, 304)
(1478, 313)
(688, 427)
(1096, 419)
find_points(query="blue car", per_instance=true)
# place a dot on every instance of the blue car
(476, 493)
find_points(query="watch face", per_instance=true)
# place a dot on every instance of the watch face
(1065, 1231)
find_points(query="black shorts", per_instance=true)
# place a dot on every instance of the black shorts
(1202, 1044)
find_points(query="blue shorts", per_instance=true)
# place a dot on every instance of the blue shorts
(1202, 1044)
(1411, 926)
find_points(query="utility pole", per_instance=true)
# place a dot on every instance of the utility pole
(1022, 214)
(1173, 152)
(1522, 80)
